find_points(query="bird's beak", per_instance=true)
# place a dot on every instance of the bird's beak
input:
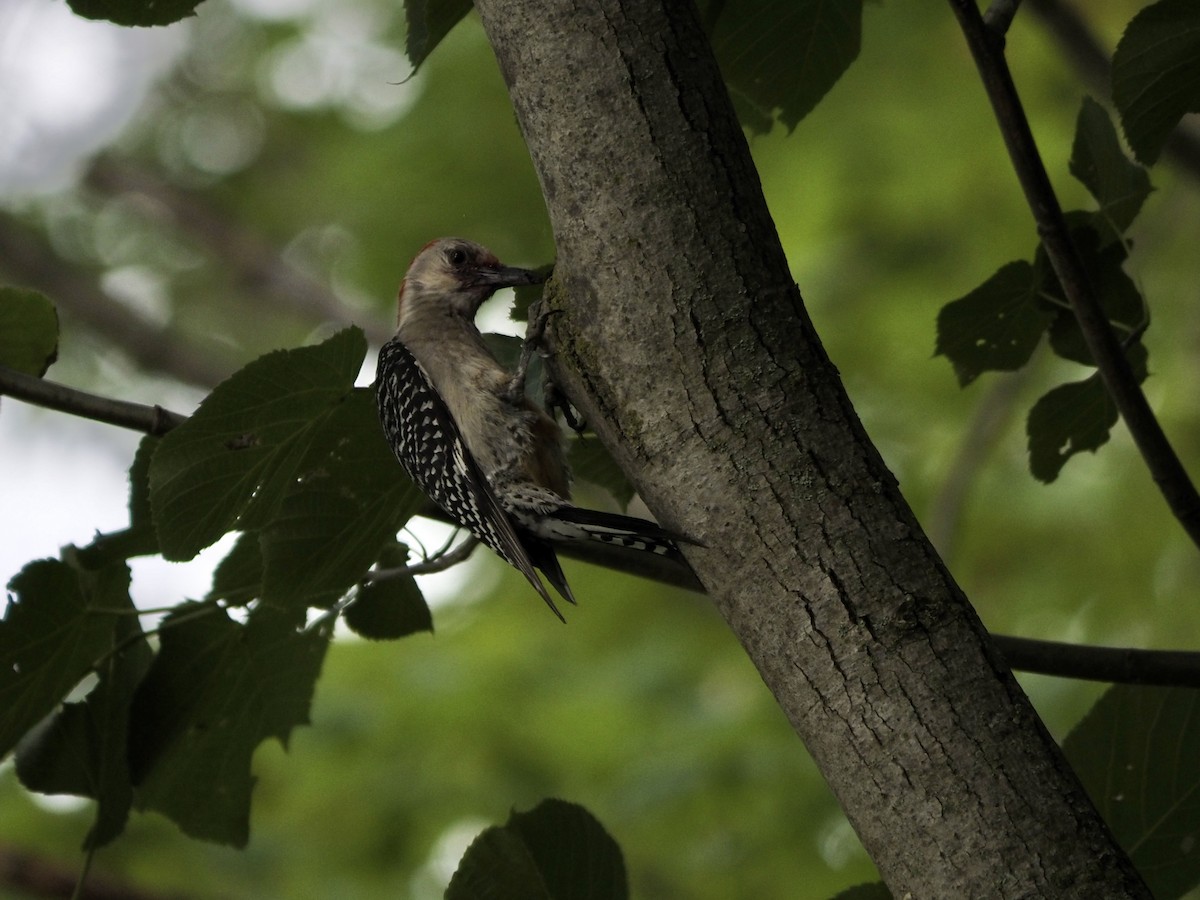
(497, 277)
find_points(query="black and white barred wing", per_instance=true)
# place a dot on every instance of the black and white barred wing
(426, 440)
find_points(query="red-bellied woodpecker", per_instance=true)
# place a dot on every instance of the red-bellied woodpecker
(466, 433)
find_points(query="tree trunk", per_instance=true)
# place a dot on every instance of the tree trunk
(685, 343)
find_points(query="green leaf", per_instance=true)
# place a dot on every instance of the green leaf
(83, 749)
(140, 538)
(428, 22)
(1072, 418)
(1119, 297)
(1119, 186)
(238, 577)
(28, 331)
(556, 850)
(387, 610)
(348, 501)
(784, 55)
(589, 460)
(216, 690)
(138, 13)
(1156, 74)
(245, 442)
(1135, 753)
(52, 634)
(995, 327)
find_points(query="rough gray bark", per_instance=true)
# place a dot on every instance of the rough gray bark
(685, 342)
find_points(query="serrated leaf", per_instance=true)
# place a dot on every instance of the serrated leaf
(590, 461)
(1072, 418)
(245, 440)
(83, 748)
(136, 13)
(348, 502)
(1119, 186)
(995, 327)
(387, 610)
(784, 55)
(238, 577)
(557, 850)
(1156, 74)
(1119, 297)
(140, 538)
(53, 632)
(1135, 753)
(216, 690)
(28, 331)
(428, 22)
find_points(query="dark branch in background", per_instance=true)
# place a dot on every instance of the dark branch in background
(992, 416)
(27, 258)
(256, 264)
(36, 876)
(1164, 465)
(1093, 63)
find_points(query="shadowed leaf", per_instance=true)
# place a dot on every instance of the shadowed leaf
(995, 327)
(1135, 752)
(246, 441)
(556, 851)
(139, 13)
(783, 56)
(1072, 418)
(1156, 74)
(1119, 186)
(28, 331)
(216, 690)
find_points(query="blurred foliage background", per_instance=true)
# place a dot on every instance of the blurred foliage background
(275, 185)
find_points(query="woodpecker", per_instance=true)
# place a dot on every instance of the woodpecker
(461, 425)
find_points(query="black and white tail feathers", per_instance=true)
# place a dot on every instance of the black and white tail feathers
(523, 522)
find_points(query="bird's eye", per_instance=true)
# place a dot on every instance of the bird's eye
(457, 256)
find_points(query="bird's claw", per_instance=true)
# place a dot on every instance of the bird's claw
(535, 334)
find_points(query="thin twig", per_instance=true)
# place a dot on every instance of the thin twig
(136, 416)
(1164, 465)
(1046, 657)
(439, 562)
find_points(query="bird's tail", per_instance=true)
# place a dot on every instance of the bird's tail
(570, 524)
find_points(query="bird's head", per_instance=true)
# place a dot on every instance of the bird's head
(454, 276)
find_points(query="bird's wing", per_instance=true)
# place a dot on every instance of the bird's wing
(430, 447)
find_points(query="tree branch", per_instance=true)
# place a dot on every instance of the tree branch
(40, 392)
(1106, 350)
(1163, 667)
(1120, 665)
(685, 344)
(439, 562)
